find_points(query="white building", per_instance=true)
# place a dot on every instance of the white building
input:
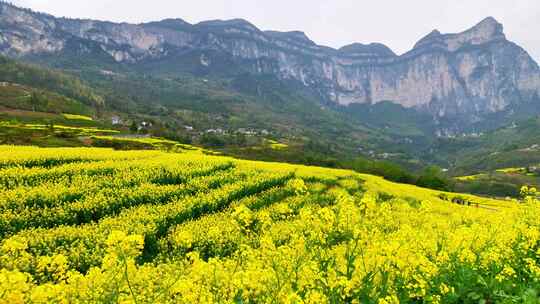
(116, 120)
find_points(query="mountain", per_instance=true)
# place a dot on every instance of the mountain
(474, 78)
(26, 78)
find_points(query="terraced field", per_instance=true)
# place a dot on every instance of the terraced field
(90, 225)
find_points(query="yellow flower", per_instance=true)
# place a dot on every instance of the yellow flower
(315, 297)
(183, 239)
(54, 267)
(14, 287)
(507, 273)
(445, 289)
(393, 299)
(243, 216)
(297, 185)
(15, 245)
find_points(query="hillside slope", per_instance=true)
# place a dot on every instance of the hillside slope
(76, 95)
(514, 145)
(16, 96)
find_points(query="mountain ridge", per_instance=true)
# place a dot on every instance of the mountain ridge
(460, 78)
(243, 23)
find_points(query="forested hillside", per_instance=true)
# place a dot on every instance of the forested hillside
(49, 80)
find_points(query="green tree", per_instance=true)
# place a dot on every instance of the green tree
(433, 177)
(134, 127)
(38, 102)
(212, 140)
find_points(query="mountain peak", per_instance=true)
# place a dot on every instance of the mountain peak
(240, 23)
(488, 21)
(173, 23)
(295, 36)
(487, 30)
(433, 34)
(367, 50)
(433, 38)
(176, 20)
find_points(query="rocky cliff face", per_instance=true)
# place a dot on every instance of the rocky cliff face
(470, 74)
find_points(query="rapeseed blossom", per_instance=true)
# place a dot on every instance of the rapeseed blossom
(172, 228)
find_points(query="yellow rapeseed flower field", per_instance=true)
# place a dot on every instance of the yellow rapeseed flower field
(80, 225)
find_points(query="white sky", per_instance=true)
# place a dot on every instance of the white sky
(396, 23)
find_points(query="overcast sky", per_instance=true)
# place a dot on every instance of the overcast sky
(396, 23)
